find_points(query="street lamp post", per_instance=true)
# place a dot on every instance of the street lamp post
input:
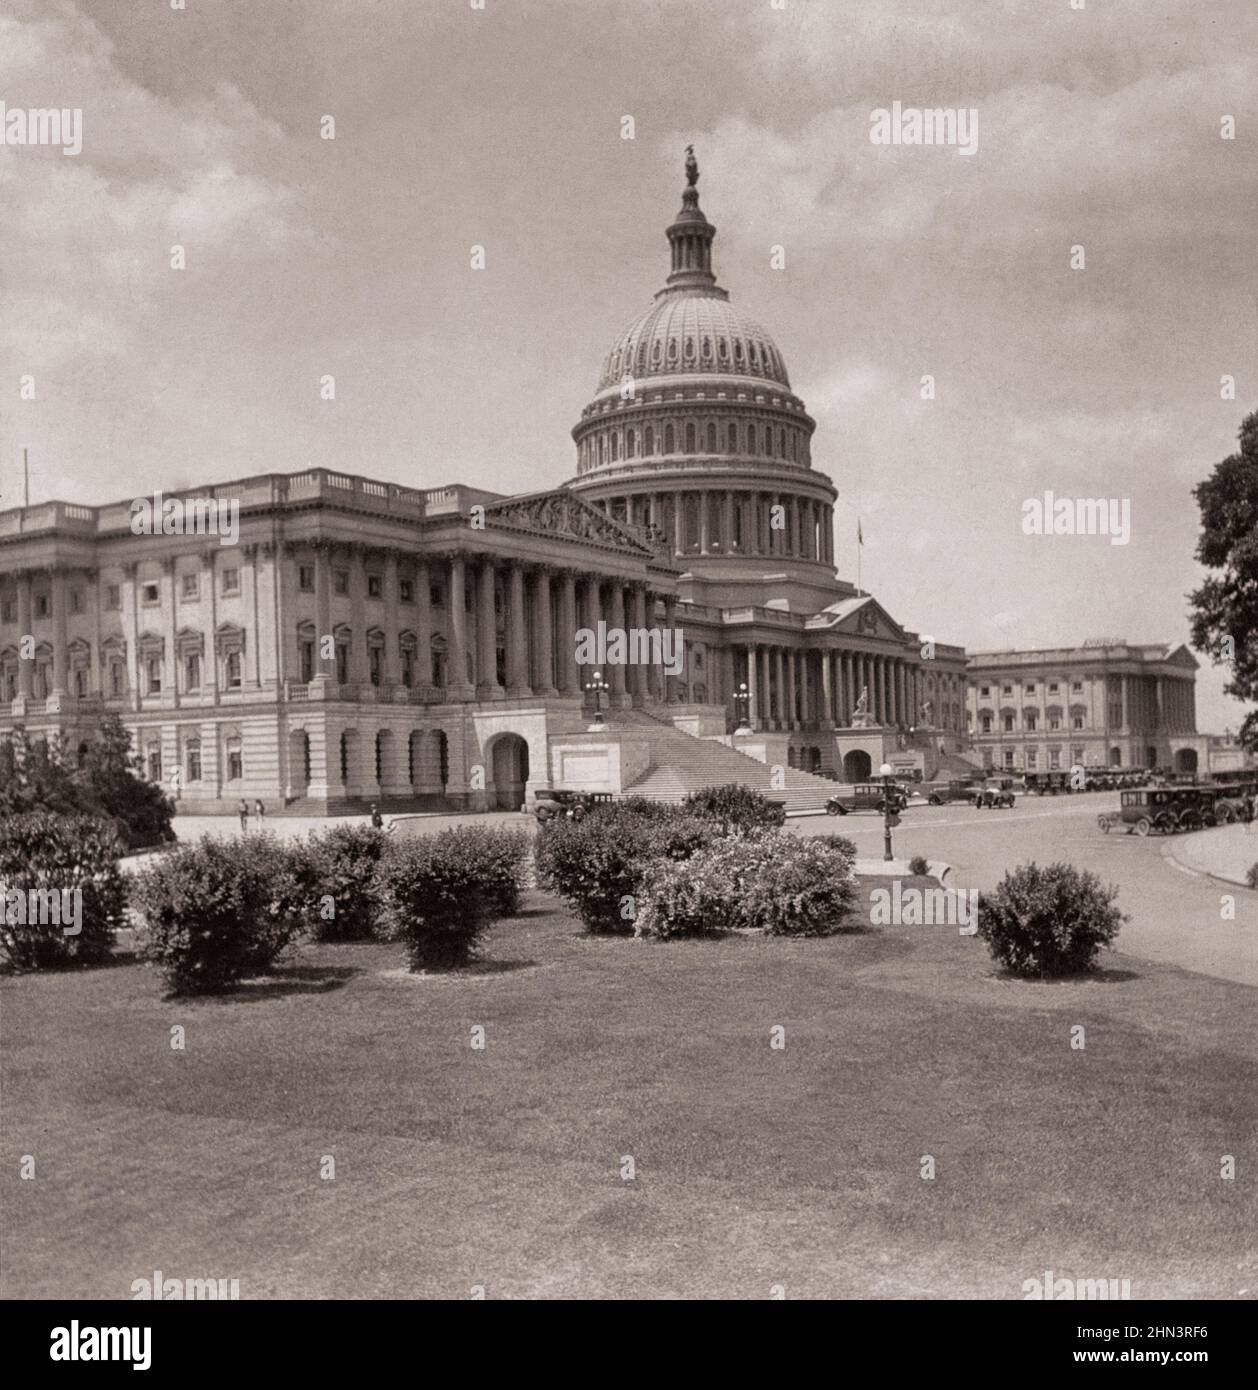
(598, 685)
(889, 817)
(742, 703)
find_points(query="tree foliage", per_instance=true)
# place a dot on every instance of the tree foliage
(1225, 607)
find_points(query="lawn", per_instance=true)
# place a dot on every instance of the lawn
(755, 1167)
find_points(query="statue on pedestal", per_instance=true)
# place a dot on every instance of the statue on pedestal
(860, 715)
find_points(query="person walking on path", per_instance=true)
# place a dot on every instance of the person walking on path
(377, 820)
(244, 814)
(259, 810)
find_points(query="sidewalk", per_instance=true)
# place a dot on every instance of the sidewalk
(1227, 853)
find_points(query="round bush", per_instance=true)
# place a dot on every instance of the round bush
(1048, 922)
(439, 892)
(918, 866)
(213, 915)
(337, 873)
(779, 884)
(62, 896)
(735, 807)
(596, 864)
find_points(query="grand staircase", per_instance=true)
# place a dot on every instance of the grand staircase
(682, 763)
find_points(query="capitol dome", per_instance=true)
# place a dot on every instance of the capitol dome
(693, 331)
(694, 429)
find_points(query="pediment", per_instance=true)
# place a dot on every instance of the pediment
(859, 617)
(564, 514)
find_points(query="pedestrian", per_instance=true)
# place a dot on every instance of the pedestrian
(259, 810)
(377, 820)
(244, 814)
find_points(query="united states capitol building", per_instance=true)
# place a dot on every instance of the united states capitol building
(361, 640)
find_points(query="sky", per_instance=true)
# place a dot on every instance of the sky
(503, 126)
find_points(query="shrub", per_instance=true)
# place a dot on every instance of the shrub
(214, 914)
(735, 807)
(1048, 921)
(52, 855)
(596, 864)
(437, 895)
(336, 871)
(918, 866)
(779, 884)
(504, 864)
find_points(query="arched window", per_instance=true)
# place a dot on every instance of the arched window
(711, 438)
(648, 445)
(690, 438)
(732, 439)
(670, 443)
(782, 443)
(631, 444)
(615, 448)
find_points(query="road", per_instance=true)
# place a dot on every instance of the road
(1178, 916)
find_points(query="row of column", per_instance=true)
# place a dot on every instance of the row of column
(788, 688)
(60, 642)
(728, 521)
(1158, 704)
(542, 608)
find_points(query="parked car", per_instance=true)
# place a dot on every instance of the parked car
(995, 793)
(941, 793)
(1164, 809)
(557, 803)
(1048, 783)
(867, 796)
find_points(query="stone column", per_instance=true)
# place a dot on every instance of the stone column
(679, 523)
(545, 635)
(670, 622)
(615, 675)
(458, 686)
(727, 524)
(789, 661)
(392, 657)
(779, 686)
(60, 653)
(359, 668)
(704, 517)
(796, 530)
(517, 628)
(423, 626)
(25, 624)
(569, 675)
(487, 687)
(638, 672)
(752, 707)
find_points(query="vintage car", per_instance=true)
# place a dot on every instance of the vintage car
(557, 804)
(941, 793)
(867, 796)
(1048, 783)
(995, 792)
(1164, 809)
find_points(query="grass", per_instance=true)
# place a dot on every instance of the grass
(754, 1167)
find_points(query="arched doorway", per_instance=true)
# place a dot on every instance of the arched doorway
(857, 766)
(1115, 757)
(509, 758)
(1186, 760)
(298, 762)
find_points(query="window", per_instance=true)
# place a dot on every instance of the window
(80, 681)
(711, 439)
(154, 761)
(6, 611)
(307, 660)
(1054, 758)
(235, 762)
(1006, 690)
(631, 444)
(76, 600)
(1076, 686)
(192, 672)
(113, 597)
(1008, 723)
(1029, 688)
(669, 440)
(342, 663)
(305, 578)
(375, 586)
(1076, 721)
(153, 671)
(406, 590)
(437, 595)
(231, 580)
(987, 723)
(408, 667)
(149, 592)
(41, 605)
(985, 690)
(690, 438)
(1052, 687)
(1030, 717)
(189, 587)
(1008, 757)
(231, 669)
(732, 439)
(1030, 759)
(375, 664)
(192, 760)
(1054, 722)
(648, 444)
(117, 683)
(340, 581)
(1076, 754)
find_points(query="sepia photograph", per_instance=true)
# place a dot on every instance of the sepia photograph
(628, 665)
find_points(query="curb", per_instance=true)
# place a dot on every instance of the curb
(1169, 853)
(899, 868)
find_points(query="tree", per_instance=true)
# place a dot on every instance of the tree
(1225, 607)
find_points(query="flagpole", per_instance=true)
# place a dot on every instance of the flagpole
(860, 546)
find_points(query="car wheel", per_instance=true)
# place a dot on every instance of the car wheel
(1164, 823)
(543, 815)
(1143, 825)
(932, 801)
(1103, 822)
(1225, 815)
(578, 813)
(831, 809)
